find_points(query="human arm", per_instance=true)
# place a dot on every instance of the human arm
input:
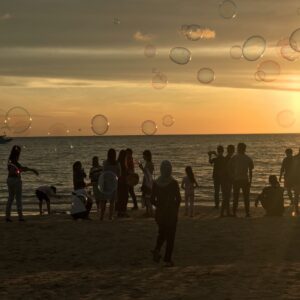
(26, 169)
(177, 194)
(183, 184)
(282, 170)
(251, 167)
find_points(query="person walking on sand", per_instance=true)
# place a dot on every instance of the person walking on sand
(94, 175)
(45, 192)
(227, 184)
(130, 170)
(218, 162)
(189, 184)
(166, 198)
(240, 168)
(148, 170)
(286, 172)
(14, 182)
(271, 198)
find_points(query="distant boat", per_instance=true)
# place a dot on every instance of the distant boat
(4, 139)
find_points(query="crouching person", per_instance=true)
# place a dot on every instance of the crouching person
(81, 205)
(271, 198)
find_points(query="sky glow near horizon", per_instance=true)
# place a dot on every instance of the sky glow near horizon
(66, 61)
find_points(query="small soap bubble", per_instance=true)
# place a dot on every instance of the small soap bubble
(150, 51)
(168, 120)
(18, 120)
(268, 70)
(159, 81)
(236, 52)
(206, 75)
(254, 48)
(149, 127)
(100, 124)
(286, 118)
(180, 55)
(227, 9)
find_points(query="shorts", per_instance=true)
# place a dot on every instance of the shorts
(41, 196)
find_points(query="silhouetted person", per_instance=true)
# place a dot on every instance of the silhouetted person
(240, 168)
(218, 171)
(271, 198)
(189, 184)
(14, 182)
(121, 206)
(166, 198)
(227, 183)
(130, 169)
(296, 181)
(94, 175)
(286, 171)
(44, 193)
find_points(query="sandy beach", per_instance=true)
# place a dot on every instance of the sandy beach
(57, 258)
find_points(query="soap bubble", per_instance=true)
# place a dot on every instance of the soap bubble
(258, 75)
(108, 183)
(2, 118)
(149, 127)
(58, 129)
(150, 51)
(116, 21)
(236, 52)
(99, 124)
(18, 120)
(295, 40)
(286, 118)
(227, 9)
(206, 75)
(268, 70)
(180, 55)
(168, 120)
(254, 48)
(159, 81)
(285, 50)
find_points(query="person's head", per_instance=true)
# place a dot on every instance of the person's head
(122, 156)
(111, 156)
(220, 150)
(190, 174)
(77, 166)
(289, 152)
(166, 169)
(15, 153)
(147, 155)
(129, 152)
(273, 180)
(95, 161)
(241, 148)
(53, 188)
(230, 149)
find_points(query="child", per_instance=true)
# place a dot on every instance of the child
(95, 172)
(271, 198)
(189, 184)
(45, 192)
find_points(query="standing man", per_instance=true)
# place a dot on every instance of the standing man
(227, 183)
(218, 163)
(286, 172)
(240, 168)
(295, 178)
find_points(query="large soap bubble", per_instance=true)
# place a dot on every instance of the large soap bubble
(58, 129)
(108, 183)
(295, 40)
(159, 80)
(254, 48)
(268, 70)
(286, 118)
(99, 124)
(18, 120)
(149, 127)
(168, 120)
(227, 9)
(180, 55)
(286, 51)
(206, 75)
(236, 52)
(150, 51)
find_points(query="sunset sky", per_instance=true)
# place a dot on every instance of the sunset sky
(68, 60)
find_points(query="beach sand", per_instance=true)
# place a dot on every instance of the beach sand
(53, 257)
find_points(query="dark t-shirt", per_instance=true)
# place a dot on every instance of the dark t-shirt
(220, 167)
(78, 180)
(272, 200)
(95, 172)
(287, 167)
(14, 169)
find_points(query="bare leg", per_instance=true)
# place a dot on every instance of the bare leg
(111, 208)
(41, 207)
(102, 210)
(48, 207)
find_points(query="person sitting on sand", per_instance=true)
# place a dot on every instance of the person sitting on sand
(189, 184)
(45, 192)
(271, 198)
(81, 202)
(166, 198)
(95, 172)
(14, 182)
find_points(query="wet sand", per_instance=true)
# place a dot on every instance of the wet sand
(57, 258)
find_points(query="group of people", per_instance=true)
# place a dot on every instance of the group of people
(231, 174)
